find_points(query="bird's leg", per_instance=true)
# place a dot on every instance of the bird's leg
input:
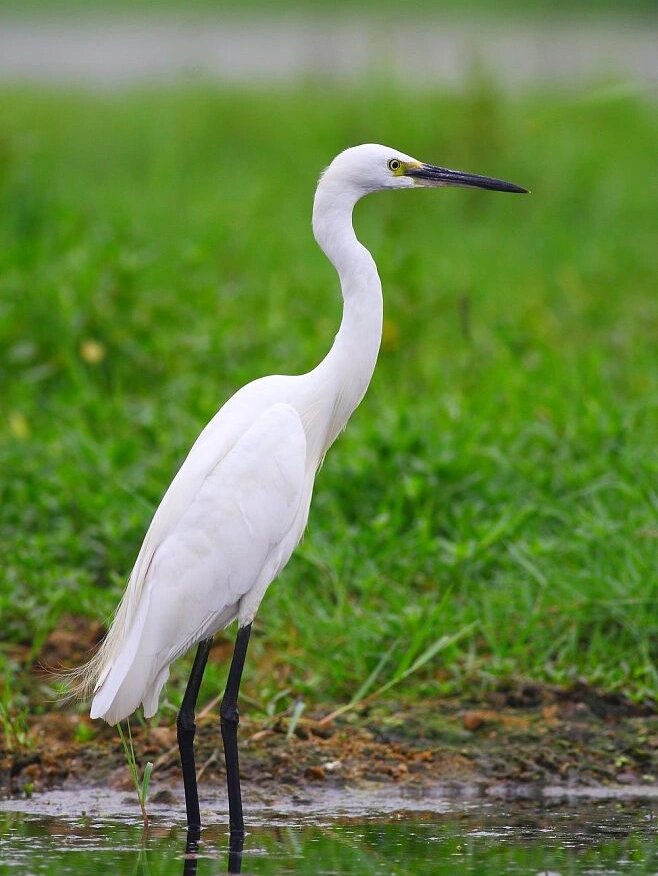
(230, 719)
(191, 857)
(186, 729)
(235, 846)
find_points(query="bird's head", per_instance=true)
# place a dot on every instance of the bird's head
(370, 167)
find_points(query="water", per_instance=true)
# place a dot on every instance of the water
(493, 838)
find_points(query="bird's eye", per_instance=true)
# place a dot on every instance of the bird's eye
(394, 164)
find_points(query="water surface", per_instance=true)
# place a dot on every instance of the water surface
(493, 838)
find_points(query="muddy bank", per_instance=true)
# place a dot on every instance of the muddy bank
(523, 740)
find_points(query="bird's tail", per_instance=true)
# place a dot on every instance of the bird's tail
(128, 669)
(110, 677)
(125, 678)
(84, 680)
(116, 652)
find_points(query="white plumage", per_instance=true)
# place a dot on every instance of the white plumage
(238, 506)
(229, 541)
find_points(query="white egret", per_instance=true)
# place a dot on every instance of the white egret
(238, 506)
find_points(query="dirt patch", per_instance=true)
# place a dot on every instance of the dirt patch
(523, 736)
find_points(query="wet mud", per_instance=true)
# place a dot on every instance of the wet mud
(522, 741)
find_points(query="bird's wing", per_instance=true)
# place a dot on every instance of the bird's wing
(223, 542)
(205, 455)
(229, 536)
(218, 437)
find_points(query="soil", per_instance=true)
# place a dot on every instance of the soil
(526, 737)
(522, 737)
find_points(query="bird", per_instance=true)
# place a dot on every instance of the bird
(238, 506)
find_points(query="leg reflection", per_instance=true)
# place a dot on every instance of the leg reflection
(190, 857)
(235, 846)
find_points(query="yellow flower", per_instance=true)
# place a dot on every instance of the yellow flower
(92, 351)
(18, 425)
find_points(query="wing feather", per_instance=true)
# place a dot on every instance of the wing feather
(225, 541)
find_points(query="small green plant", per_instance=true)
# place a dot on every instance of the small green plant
(297, 711)
(84, 732)
(13, 718)
(141, 786)
(14, 728)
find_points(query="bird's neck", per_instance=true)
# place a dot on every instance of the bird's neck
(350, 363)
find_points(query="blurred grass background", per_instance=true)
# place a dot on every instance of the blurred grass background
(486, 8)
(500, 477)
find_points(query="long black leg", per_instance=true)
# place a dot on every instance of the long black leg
(235, 846)
(190, 858)
(186, 728)
(230, 719)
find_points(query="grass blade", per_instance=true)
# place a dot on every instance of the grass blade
(297, 711)
(374, 675)
(439, 645)
(141, 788)
(146, 778)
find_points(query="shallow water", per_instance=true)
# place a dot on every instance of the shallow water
(493, 838)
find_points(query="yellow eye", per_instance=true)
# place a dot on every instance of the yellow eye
(394, 164)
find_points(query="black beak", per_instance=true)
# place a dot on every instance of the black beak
(429, 175)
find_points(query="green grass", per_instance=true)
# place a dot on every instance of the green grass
(489, 9)
(155, 254)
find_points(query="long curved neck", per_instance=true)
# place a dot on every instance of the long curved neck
(351, 361)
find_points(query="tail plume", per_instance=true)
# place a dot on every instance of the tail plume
(82, 681)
